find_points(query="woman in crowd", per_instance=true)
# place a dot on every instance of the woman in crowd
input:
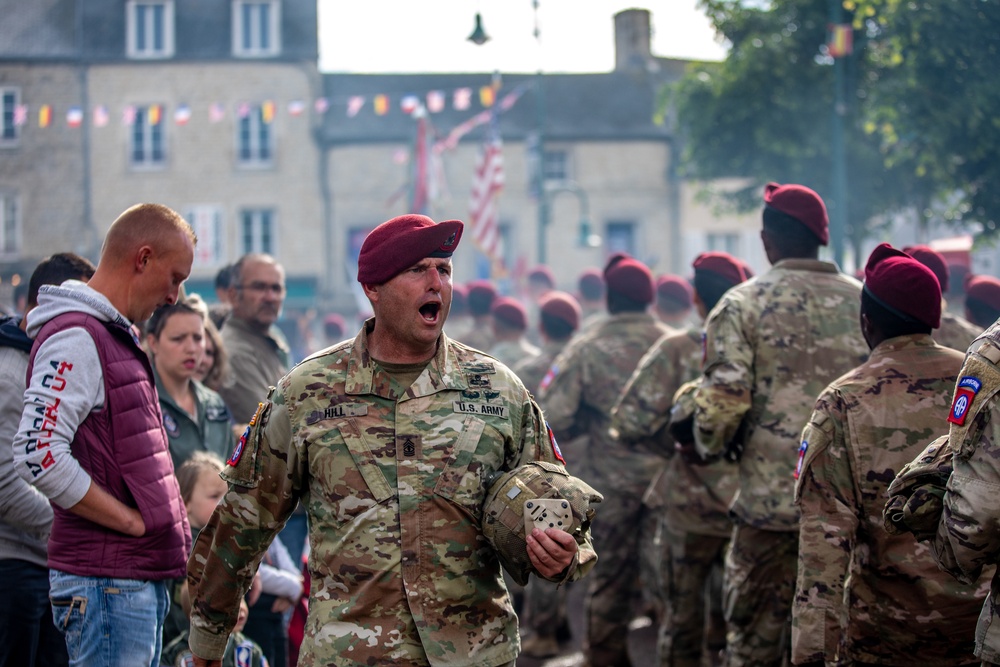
(194, 417)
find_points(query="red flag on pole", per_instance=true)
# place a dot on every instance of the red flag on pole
(486, 184)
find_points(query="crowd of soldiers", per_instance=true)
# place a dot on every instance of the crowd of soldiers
(745, 452)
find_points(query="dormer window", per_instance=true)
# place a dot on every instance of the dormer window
(256, 28)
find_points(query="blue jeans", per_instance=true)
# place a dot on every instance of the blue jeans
(109, 622)
(27, 636)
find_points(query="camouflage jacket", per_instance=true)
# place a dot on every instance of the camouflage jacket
(583, 386)
(532, 371)
(695, 497)
(510, 353)
(956, 332)
(393, 485)
(967, 543)
(771, 345)
(866, 426)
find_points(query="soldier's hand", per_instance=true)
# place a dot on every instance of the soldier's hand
(551, 551)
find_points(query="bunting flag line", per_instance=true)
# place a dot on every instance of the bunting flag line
(155, 114)
(101, 117)
(381, 105)
(267, 112)
(841, 40)
(74, 116)
(182, 114)
(20, 114)
(216, 112)
(44, 115)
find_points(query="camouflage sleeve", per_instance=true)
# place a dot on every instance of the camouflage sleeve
(643, 408)
(561, 394)
(827, 527)
(968, 535)
(539, 444)
(264, 481)
(724, 395)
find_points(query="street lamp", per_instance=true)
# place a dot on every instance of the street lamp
(479, 36)
(585, 238)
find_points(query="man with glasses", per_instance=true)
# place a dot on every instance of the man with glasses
(258, 352)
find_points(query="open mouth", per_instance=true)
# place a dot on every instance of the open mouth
(430, 312)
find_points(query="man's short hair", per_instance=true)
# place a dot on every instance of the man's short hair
(236, 274)
(144, 224)
(710, 287)
(890, 324)
(224, 277)
(55, 270)
(789, 235)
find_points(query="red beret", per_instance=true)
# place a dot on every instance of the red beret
(562, 306)
(802, 204)
(985, 289)
(674, 288)
(933, 260)
(481, 294)
(510, 311)
(630, 277)
(903, 285)
(542, 274)
(722, 264)
(613, 259)
(398, 244)
(459, 300)
(333, 325)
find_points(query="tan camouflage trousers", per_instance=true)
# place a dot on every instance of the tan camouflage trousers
(693, 623)
(758, 590)
(545, 607)
(617, 534)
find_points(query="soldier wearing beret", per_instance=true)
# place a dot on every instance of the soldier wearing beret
(674, 301)
(510, 324)
(864, 596)
(578, 394)
(480, 297)
(691, 499)
(955, 332)
(771, 346)
(387, 439)
(982, 300)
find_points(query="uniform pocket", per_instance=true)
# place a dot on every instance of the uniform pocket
(478, 453)
(342, 462)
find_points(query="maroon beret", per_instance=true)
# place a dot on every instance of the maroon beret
(674, 288)
(561, 306)
(398, 244)
(724, 265)
(481, 294)
(511, 312)
(542, 274)
(933, 260)
(903, 285)
(613, 259)
(459, 300)
(985, 289)
(630, 277)
(591, 283)
(802, 204)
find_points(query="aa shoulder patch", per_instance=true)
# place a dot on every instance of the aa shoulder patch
(965, 393)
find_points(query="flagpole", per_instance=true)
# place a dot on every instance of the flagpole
(539, 185)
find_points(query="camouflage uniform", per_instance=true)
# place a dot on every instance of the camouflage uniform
(393, 483)
(967, 543)
(956, 332)
(544, 602)
(898, 605)
(772, 345)
(513, 352)
(579, 394)
(691, 500)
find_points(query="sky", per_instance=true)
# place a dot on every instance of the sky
(408, 36)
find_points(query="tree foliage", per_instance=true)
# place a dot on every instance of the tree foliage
(921, 104)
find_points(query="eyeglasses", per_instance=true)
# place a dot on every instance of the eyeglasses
(277, 288)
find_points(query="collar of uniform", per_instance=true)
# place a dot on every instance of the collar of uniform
(798, 264)
(169, 400)
(900, 343)
(442, 372)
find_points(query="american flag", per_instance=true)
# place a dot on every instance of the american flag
(486, 184)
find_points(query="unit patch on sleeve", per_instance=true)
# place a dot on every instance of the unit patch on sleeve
(965, 393)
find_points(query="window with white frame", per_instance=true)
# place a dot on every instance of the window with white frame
(555, 165)
(10, 225)
(148, 144)
(10, 99)
(619, 236)
(257, 231)
(255, 140)
(256, 28)
(150, 32)
(206, 221)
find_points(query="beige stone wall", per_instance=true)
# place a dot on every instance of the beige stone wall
(201, 166)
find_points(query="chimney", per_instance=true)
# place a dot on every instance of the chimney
(632, 39)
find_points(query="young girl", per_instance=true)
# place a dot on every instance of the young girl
(194, 417)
